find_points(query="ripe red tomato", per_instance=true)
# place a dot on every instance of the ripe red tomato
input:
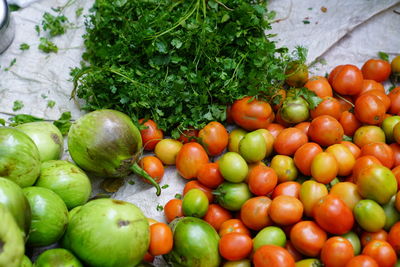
(353, 148)
(233, 225)
(289, 140)
(252, 115)
(382, 96)
(376, 69)
(363, 162)
(196, 185)
(320, 86)
(173, 209)
(336, 252)
(190, 159)
(329, 106)
(161, 239)
(216, 215)
(293, 251)
(367, 237)
(150, 133)
(286, 210)
(262, 180)
(381, 151)
(394, 237)
(369, 85)
(303, 126)
(369, 109)
(189, 135)
(209, 175)
(349, 122)
(254, 213)
(346, 79)
(275, 129)
(394, 96)
(272, 256)
(235, 246)
(325, 130)
(396, 154)
(214, 137)
(362, 261)
(153, 166)
(346, 103)
(382, 252)
(333, 215)
(308, 238)
(290, 188)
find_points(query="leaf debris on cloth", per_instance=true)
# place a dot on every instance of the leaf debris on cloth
(179, 63)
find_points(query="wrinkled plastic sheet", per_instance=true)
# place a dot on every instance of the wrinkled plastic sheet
(334, 31)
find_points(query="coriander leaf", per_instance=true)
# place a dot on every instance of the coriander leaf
(178, 196)
(2, 122)
(306, 21)
(51, 103)
(63, 123)
(55, 25)
(79, 12)
(13, 7)
(37, 29)
(17, 105)
(165, 186)
(47, 46)
(312, 99)
(12, 63)
(383, 56)
(24, 46)
(23, 118)
(160, 208)
(347, 138)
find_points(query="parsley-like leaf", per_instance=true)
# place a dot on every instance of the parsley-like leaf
(18, 104)
(55, 25)
(47, 46)
(160, 207)
(23, 118)
(24, 46)
(12, 63)
(383, 56)
(63, 123)
(51, 103)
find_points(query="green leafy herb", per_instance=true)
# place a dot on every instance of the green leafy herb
(347, 138)
(23, 118)
(306, 21)
(312, 99)
(51, 103)
(37, 29)
(12, 63)
(17, 105)
(13, 7)
(55, 25)
(2, 122)
(383, 56)
(160, 208)
(178, 196)
(47, 46)
(131, 182)
(179, 63)
(165, 186)
(24, 46)
(64, 122)
(79, 12)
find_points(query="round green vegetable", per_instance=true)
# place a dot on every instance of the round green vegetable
(109, 233)
(270, 235)
(252, 147)
(233, 167)
(26, 262)
(47, 138)
(106, 143)
(195, 244)
(232, 196)
(49, 216)
(19, 157)
(195, 203)
(369, 215)
(57, 257)
(66, 180)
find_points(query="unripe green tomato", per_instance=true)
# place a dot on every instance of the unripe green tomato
(253, 147)
(233, 167)
(388, 127)
(270, 235)
(234, 138)
(284, 167)
(369, 215)
(195, 203)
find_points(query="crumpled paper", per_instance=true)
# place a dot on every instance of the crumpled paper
(340, 32)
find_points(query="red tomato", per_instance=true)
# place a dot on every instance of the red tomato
(289, 140)
(303, 126)
(346, 79)
(329, 106)
(308, 238)
(254, 213)
(262, 180)
(382, 96)
(325, 130)
(148, 257)
(233, 225)
(173, 209)
(344, 158)
(333, 215)
(361, 163)
(272, 256)
(209, 175)
(369, 109)
(290, 188)
(346, 103)
(382, 252)
(396, 154)
(286, 210)
(320, 86)
(161, 239)
(336, 252)
(190, 159)
(381, 151)
(394, 96)
(394, 237)
(252, 114)
(189, 135)
(150, 133)
(396, 173)
(369, 85)
(349, 122)
(235, 246)
(293, 251)
(216, 215)
(275, 129)
(376, 69)
(362, 261)
(367, 237)
(153, 166)
(353, 148)
(195, 184)
(214, 137)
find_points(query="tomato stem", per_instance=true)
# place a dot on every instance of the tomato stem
(139, 171)
(344, 99)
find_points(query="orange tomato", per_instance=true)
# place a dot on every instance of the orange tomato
(320, 86)
(368, 134)
(346, 79)
(362, 261)
(344, 158)
(151, 135)
(382, 252)
(381, 151)
(355, 150)
(190, 159)
(275, 129)
(262, 180)
(369, 109)
(235, 246)
(214, 137)
(209, 175)
(153, 166)
(173, 209)
(329, 106)
(349, 122)
(290, 188)
(336, 252)
(324, 167)
(325, 130)
(233, 225)
(363, 162)
(286, 210)
(254, 213)
(272, 256)
(367, 237)
(308, 238)
(376, 69)
(394, 96)
(216, 215)
(303, 126)
(161, 239)
(304, 156)
(347, 192)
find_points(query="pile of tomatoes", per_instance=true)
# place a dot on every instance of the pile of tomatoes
(322, 190)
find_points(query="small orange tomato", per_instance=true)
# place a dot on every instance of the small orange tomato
(355, 150)
(290, 188)
(173, 209)
(235, 246)
(214, 137)
(233, 225)
(150, 133)
(209, 175)
(254, 213)
(349, 122)
(289, 140)
(216, 215)
(336, 252)
(320, 86)
(376, 69)
(382, 252)
(262, 180)
(286, 210)
(304, 156)
(329, 106)
(367, 237)
(161, 239)
(190, 159)
(153, 166)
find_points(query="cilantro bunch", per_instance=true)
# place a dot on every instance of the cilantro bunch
(178, 62)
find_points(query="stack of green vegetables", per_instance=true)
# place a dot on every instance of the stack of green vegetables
(178, 62)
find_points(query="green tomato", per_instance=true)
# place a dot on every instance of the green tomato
(57, 257)
(270, 235)
(369, 215)
(26, 262)
(232, 196)
(388, 126)
(253, 147)
(284, 167)
(269, 141)
(354, 240)
(234, 138)
(294, 110)
(195, 203)
(233, 167)
(392, 214)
